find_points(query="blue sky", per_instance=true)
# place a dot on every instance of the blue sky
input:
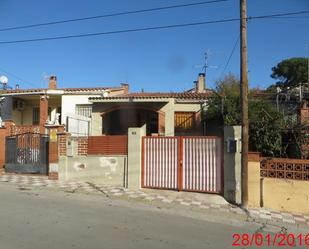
(161, 60)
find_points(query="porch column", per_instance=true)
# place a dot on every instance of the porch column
(169, 110)
(43, 113)
(96, 124)
(161, 123)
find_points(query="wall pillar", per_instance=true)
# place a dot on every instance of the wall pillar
(169, 110)
(53, 153)
(161, 123)
(5, 130)
(43, 113)
(3, 133)
(135, 156)
(254, 180)
(96, 124)
(232, 164)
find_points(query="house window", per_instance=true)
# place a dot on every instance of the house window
(35, 115)
(83, 110)
(184, 121)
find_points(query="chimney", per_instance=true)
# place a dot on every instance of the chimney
(126, 87)
(195, 83)
(201, 83)
(52, 84)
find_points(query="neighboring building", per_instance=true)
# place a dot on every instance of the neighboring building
(54, 106)
(107, 110)
(293, 104)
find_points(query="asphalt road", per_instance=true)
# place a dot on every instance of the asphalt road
(39, 218)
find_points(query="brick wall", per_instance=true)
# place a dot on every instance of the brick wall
(81, 143)
(53, 152)
(94, 145)
(82, 146)
(108, 145)
(53, 176)
(43, 113)
(3, 133)
(62, 143)
(18, 129)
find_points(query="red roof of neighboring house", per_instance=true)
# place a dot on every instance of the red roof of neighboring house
(66, 90)
(149, 95)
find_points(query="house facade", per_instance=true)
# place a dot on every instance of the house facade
(164, 114)
(53, 106)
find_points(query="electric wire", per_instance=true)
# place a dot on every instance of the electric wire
(151, 28)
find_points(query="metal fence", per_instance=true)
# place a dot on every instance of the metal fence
(78, 126)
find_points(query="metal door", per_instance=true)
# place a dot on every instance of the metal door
(27, 153)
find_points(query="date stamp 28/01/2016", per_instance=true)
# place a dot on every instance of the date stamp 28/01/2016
(271, 240)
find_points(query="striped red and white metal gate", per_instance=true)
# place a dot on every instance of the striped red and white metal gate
(160, 162)
(182, 163)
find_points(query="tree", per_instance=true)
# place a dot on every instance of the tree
(290, 72)
(228, 89)
(264, 120)
(265, 128)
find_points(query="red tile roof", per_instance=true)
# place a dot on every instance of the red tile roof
(149, 95)
(66, 90)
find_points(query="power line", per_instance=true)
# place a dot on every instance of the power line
(279, 15)
(150, 28)
(17, 77)
(112, 15)
(231, 54)
(291, 17)
(119, 31)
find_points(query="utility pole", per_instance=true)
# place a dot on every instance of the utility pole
(244, 102)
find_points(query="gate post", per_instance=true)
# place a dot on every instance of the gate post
(4, 131)
(53, 155)
(135, 156)
(232, 163)
(2, 149)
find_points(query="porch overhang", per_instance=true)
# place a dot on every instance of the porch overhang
(129, 100)
(41, 92)
(154, 97)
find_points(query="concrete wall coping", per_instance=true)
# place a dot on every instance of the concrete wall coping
(254, 157)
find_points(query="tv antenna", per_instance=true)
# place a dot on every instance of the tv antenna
(206, 65)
